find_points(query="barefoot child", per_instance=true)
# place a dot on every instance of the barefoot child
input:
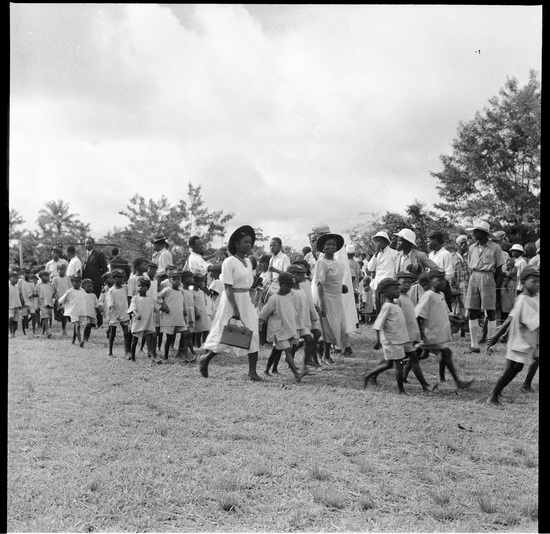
(108, 282)
(391, 333)
(432, 315)
(142, 316)
(116, 302)
(28, 295)
(172, 320)
(523, 336)
(91, 309)
(280, 314)
(74, 307)
(61, 283)
(14, 302)
(202, 319)
(405, 279)
(45, 302)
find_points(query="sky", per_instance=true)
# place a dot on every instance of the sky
(286, 115)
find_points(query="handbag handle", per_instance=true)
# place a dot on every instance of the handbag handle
(231, 318)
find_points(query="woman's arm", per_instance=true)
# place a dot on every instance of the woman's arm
(231, 297)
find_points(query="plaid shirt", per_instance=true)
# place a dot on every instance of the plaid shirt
(462, 272)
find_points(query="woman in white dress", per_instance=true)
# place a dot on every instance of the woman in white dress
(238, 276)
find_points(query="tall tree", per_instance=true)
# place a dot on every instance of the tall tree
(14, 220)
(493, 172)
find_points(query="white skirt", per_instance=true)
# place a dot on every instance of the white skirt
(249, 316)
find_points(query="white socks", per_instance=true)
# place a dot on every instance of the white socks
(474, 333)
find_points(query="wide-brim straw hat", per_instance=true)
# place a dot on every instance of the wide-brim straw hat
(480, 225)
(238, 234)
(407, 235)
(325, 237)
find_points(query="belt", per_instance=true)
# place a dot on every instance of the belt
(480, 271)
(241, 290)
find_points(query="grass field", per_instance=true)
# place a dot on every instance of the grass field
(104, 444)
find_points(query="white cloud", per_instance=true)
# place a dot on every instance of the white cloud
(287, 115)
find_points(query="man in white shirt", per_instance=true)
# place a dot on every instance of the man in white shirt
(444, 259)
(55, 262)
(278, 264)
(383, 264)
(197, 262)
(75, 265)
(161, 256)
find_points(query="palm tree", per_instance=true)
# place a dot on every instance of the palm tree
(56, 216)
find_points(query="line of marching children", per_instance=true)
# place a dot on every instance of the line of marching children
(413, 320)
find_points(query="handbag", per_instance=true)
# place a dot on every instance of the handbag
(235, 335)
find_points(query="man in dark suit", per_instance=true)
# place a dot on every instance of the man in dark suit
(94, 266)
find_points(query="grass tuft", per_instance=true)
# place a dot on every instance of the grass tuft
(329, 497)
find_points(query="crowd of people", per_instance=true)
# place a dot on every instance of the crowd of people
(315, 299)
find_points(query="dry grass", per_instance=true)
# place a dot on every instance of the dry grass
(103, 444)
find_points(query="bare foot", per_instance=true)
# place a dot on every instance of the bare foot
(254, 377)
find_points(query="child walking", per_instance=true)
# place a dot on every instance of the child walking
(142, 316)
(202, 319)
(91, 309)
(432, 315)
(406, 279)
(172, 321)
(391, 334)
(108, 282)
(45, 302)
(140, 268)
(14, 302)
(522, 324)
(116, 301)
(74, 307)
(27, 291)
(366, 302)
(61, 283)
(280, 314)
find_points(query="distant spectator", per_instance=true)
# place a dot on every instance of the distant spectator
(161, 256)
(53, 265)
(118, 262)
(75, 265)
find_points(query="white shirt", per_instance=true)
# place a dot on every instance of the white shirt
(384, 265)
(520, 264)
(197, 264)
(75, 265)
(281, 261)
(53, 265)
(444, 259)
(163, 258)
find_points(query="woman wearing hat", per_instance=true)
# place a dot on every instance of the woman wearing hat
(328, 278)
(161, 256)
(238, 276)
(383, 264)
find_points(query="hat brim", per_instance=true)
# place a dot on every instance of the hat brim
(413, 243)
(481, 229)
(239, 233)
(325, 237)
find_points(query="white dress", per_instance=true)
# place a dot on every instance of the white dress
(240, 277)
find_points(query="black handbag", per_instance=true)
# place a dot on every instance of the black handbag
(235, 335)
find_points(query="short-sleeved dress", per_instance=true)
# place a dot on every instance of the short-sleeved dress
(235, 273)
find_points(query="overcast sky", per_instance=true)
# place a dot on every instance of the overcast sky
(286, 115)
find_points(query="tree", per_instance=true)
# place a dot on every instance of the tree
(178, 223)
(56, 222)
(494, 170)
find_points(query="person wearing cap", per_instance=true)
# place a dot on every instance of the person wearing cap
(142, 319)
(391, 334)
(238, 276)
(432, 315)
(518, 253)
(535, 260)
(328, 280)
(485, 261)
(356, 273)
(53, 265)
(75, 265)
(383, 264)
(161, 256)
(522, 325)
(348, 300)
(459, 283)
(116, 302)
(444, 260)
(409, 258)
